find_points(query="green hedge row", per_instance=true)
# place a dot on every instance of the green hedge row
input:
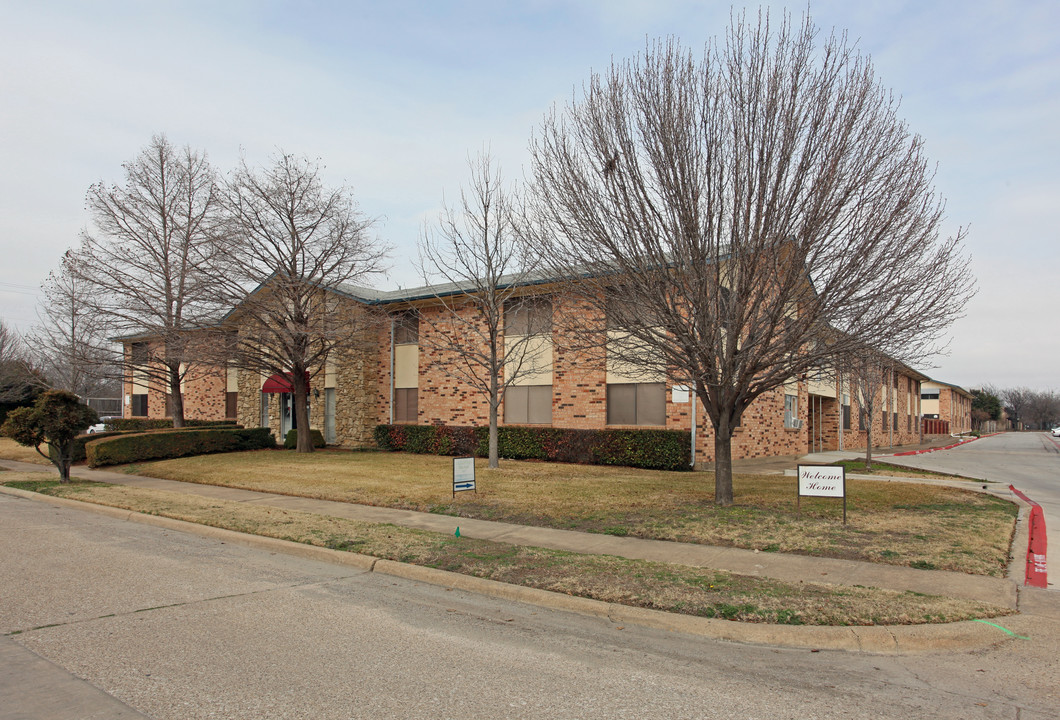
(140, 424)
(127, 448)
(78, 450)
(653, 449)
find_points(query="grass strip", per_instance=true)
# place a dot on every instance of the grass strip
(885, 468)
(896, 523)
(662, 586)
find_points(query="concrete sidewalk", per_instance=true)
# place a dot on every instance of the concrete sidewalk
(779, 566)
(779, 464)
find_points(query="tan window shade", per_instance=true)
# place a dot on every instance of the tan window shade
(406, 405)
(651, 403)
(636, 404)
(406, 366)
(529, 404)
(622, 404)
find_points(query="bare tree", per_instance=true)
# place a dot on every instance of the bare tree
(145, 262)
(743, 204)
(20, 380)
(1043, 409)
(289, 246)
(487, 334)
(70, 339)
(1016, 402)
(869, 373)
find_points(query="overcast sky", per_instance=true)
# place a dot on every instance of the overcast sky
(392, 97)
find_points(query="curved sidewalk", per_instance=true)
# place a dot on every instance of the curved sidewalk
(785, 567)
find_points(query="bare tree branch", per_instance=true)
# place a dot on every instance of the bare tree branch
(477, 270)
(146, 263)
(289, 249)
(70, 339)
(760, 211)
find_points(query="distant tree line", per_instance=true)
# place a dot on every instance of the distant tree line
(1036, 409)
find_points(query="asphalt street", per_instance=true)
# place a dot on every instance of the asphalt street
(113, 618)
(1030, 461)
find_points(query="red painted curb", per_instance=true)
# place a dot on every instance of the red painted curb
(1035, 575)
(948, 447)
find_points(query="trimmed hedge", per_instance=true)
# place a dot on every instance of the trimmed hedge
(128, 448)
(291, 441)
(139, 424)
(78, 450)
(652, 449)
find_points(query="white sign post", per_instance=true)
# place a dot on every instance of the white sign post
(464, 475)
(823, 481)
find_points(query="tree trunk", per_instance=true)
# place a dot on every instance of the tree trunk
(494, 450)
(176, 401)
(495, 367)
(61, 460)
(868, 443)
(723, 462)
(301, 411)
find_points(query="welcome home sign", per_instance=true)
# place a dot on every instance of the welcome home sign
(823, 481)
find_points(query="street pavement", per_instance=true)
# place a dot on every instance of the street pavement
(174, 625)
(1030, 461)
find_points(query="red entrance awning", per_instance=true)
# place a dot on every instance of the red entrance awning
(282, 383)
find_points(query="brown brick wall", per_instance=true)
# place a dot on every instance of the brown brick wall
(579, 392)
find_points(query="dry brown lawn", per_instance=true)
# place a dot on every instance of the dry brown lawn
(11, 450)
(663, 586)
(926, 526)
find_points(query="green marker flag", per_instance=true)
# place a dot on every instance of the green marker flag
(458, 531)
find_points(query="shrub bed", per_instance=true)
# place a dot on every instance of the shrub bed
(138, 424)
(126, 448)
(652, 449)
(291, 441)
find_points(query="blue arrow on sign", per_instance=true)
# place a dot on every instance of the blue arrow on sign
(464, 486)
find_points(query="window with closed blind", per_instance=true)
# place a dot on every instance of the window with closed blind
(529, 404)
(636, 404)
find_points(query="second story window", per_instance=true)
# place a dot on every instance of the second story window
(139, 354)
(528, 316)
(407, 328)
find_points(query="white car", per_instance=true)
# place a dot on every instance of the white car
(1056, 432)
(99, 427)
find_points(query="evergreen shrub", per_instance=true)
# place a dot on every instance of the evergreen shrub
(648, 448)
(127, 448)
(141, 424)
(291, 441)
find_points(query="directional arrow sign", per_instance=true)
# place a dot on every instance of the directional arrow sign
(463, 475)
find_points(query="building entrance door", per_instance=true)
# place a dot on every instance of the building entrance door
(287, 418)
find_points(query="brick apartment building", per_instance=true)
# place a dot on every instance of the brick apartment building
(399, 378)
(947, 408)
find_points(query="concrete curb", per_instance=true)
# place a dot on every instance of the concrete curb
(944, 447)
(878, 639)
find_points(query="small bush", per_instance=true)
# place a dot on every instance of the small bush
(652, 449)
(127, 448)
(291, 441)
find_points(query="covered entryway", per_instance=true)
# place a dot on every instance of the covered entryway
(822, 423)
(280, 384)
(822, 413)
